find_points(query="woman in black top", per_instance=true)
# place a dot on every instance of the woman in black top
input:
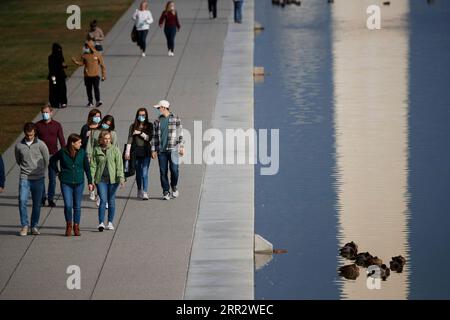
(138, 145)
(92, 123)
(57, 78)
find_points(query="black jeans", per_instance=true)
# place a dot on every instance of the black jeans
(142, 39)
(212, 7)
(170, 33)
(57, 93)
(92, 82)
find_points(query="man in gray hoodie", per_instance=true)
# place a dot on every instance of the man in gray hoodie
(32, 157)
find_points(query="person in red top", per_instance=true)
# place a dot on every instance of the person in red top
(169, 18)
(50, 131)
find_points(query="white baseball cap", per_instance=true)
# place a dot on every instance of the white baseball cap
(162, 103)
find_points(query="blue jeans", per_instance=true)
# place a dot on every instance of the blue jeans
(167, 159)
(238, 11)
(107, 194)
(36, 187)
(142, 165)
(170, 33)
(51, 185)
(72, 195)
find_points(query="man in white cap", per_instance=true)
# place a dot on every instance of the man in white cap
(167, 143)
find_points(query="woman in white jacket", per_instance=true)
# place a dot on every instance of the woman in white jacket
(142, 19)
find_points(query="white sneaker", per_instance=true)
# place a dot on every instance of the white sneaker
(110, 226)
(144, 196)
(143, 54)
(106, 205)
(166, 196)
(92, 195)
(101, 227)
(35, 231)
(175, 193)
(24, 231)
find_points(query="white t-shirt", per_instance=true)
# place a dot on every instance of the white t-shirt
(142, 19)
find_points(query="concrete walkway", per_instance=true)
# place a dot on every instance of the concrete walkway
(222, 263)
(149, 254)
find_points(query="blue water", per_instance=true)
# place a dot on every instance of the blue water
(300, 209)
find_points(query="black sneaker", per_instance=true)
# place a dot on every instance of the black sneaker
(51, 203)
(99, 103)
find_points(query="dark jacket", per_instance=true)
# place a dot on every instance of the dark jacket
(50, 133)
(72, 169)
(56, 63)
(170, 19)
(141, 144)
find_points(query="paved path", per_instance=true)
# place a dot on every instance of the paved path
(222, 264)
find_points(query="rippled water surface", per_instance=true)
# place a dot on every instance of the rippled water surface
(364, 119)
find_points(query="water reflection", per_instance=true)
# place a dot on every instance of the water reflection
(370, 70)
(295, 209)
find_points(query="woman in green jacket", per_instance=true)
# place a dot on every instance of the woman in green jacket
(74, 165)
(107, 169)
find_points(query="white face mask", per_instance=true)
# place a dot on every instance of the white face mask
(86, 50)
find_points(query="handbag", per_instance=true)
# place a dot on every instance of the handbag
(129, 168)
(134, 34)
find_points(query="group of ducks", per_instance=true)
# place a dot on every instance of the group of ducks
(365, 260)
(285, 2)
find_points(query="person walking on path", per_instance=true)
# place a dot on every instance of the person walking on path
(57, 94)
(92, 124)
(2, 175)
(167, 144)
(107, 170)
(169, 18)
(50, 132)
(142, 20)
(238, 10)
(139, 139)
(32, 157)
(212, 7)
(96, 35)
(73, 163)
(93, 63)
(107, 123)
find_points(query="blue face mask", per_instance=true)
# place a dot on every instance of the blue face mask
(96, 119)
(141, 118)
(45, 116)
(158, 113)
(105, 126)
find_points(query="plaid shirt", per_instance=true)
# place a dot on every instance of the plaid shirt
(175, 135)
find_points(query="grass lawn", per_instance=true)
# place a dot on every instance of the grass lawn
(27, 30)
